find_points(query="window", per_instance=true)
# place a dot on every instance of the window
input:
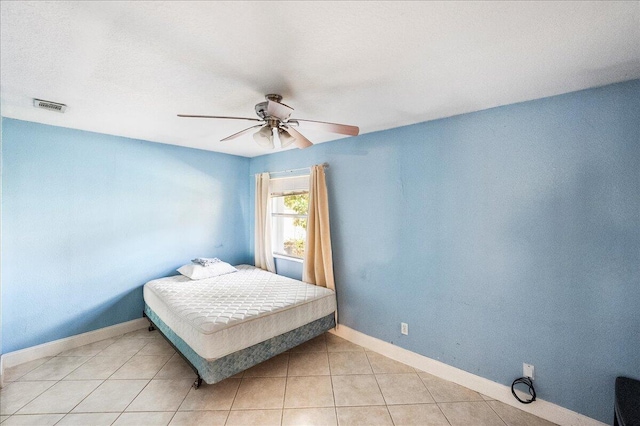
(289, 209)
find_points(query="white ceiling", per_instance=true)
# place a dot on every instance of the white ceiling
(127, 68)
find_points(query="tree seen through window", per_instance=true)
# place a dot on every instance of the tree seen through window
(290, 224)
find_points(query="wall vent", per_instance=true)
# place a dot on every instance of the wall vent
(48, 105)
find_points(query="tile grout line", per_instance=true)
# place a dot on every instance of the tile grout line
(74, 407)
(432, 397)
(143, 388)
(183, 399)
(104, 380)
(86, 396)
(284, 394)
(443, 413)
(89, 357)
(335, 404)
(497, 414)
(333, 393)
(21, 376)
(458, 402)
(32, 399)
(137, 395)
(386, 406)
(333, 397)
(118, 339)
(235, 395)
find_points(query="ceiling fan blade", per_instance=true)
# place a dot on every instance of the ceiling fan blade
(301, 142)
(343, 129)
(240, 133)
(218, 116)
(278, 110)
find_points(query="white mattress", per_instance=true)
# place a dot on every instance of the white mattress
(221, 315)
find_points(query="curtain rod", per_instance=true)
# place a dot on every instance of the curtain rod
(325, 165)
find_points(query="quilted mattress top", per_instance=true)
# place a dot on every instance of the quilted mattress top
(213, 304)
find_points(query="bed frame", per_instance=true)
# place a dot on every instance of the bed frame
(216, 370)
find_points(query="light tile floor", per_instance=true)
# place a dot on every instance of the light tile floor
(138, 379)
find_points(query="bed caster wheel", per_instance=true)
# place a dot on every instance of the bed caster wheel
(197, 383)
(151, 328)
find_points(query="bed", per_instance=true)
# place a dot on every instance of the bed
(226, 324)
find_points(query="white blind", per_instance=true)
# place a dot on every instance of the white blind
(289, 185)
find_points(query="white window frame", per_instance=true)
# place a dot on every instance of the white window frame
(277, 233)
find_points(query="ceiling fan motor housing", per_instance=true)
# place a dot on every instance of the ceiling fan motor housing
(273, 97)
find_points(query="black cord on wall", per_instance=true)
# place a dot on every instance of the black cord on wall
(527, 381)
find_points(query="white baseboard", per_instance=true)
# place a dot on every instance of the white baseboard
(12, 359)
(541, 408)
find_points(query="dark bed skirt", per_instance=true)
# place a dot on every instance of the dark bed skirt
(216, 370)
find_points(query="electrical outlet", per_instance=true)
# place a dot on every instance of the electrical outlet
(527, 370)
(404, 328)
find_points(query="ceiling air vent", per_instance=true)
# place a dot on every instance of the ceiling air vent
(48, 105)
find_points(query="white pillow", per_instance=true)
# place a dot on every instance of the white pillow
(199, 272)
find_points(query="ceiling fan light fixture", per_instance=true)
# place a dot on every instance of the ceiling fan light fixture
(264, 137)
(285, 138)
(277, 128)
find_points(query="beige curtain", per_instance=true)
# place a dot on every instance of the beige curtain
(318, 260)
(263, 254)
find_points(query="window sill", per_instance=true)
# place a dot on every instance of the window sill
(290, 258)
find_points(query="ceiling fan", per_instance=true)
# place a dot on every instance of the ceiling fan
(275, 124)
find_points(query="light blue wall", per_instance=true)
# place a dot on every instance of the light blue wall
(504, 236)
(289, 268)
(88, 218)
